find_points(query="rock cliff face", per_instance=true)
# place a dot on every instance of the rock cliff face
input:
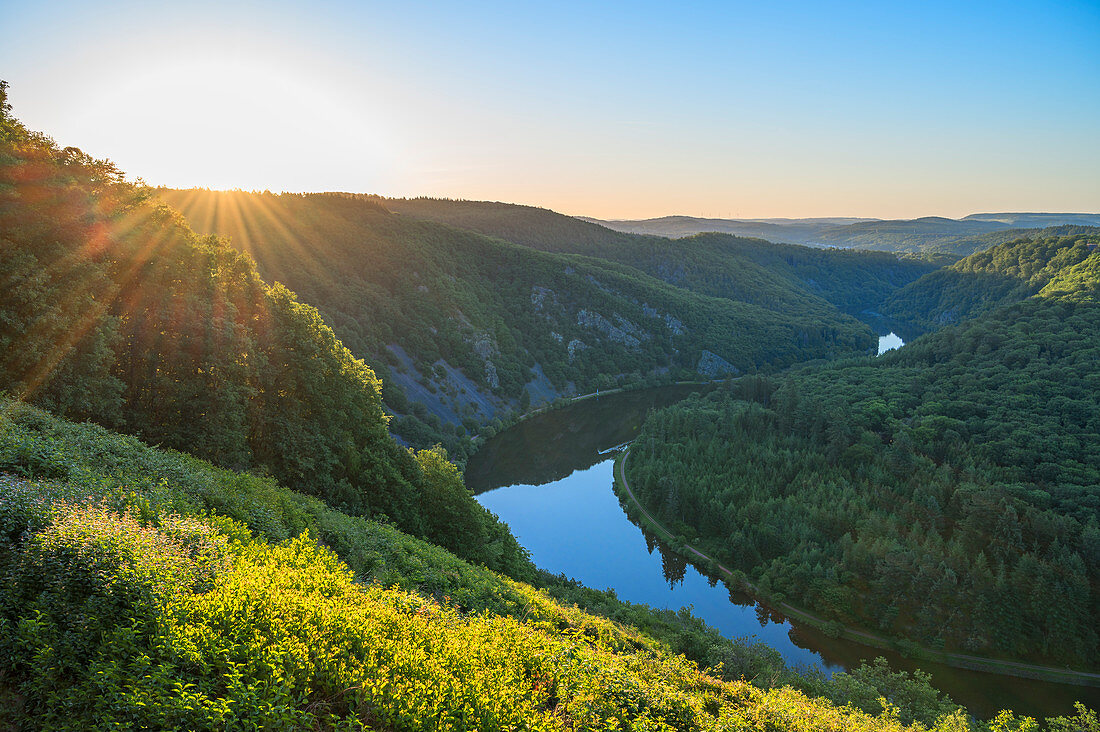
(713, 366)
(575, 346)
(545, 301)
(444, 390)
(625, 333)
(485, 347)
(674, 324)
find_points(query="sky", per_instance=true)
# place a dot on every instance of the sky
(612, 110)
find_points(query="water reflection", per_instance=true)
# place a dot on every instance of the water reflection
(889, 342)
(576, 526)
(550, 446)
(550, 479)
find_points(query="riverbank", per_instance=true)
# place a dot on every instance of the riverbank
(835, 629)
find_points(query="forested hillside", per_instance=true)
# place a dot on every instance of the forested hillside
(781, 277)
(538, 228)
(472, 326)
(948, 492)
(997, 276)
(113, 310)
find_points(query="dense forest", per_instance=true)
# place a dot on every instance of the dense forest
(113, 310)
(471, 327)
(945, 493)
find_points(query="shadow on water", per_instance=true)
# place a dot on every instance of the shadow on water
(550, 446)
(550, 479)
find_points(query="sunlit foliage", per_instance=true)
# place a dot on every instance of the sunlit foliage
(130, 598)
(112, 309)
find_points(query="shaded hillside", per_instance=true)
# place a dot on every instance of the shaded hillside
(1038, 220)
(538, 228)
(1001, 275)
(112, 309)
(853, 281)
(790, 231)
(947, 493)
(906, 235)
(475, 326)
(780, 277)
(932, 234)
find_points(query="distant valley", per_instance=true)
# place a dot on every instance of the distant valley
(933, 234)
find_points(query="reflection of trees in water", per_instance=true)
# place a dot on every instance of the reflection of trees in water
(674, 566)
(673, 563)
(551, 446)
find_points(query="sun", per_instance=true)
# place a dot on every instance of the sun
(241, 121)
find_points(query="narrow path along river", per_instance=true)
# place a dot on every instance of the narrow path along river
(550, 478)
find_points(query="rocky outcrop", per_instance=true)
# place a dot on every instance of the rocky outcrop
(540, 296)
(484, 346)
(574, 347)
(713, 366)
(623, 333)
(674, 324)
(599, 285)
(444, 390)
(491, 377)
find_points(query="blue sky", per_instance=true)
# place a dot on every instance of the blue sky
(612, 110)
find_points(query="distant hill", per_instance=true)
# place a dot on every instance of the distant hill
(793, 231)
(779, 277)
(1001, 275)
(1037, 220)
(904, 234)
(927, 234)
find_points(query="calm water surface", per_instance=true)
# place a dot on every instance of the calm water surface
(550, 479)
(889, 342)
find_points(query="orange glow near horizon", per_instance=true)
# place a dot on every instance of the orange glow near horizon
(660, 117)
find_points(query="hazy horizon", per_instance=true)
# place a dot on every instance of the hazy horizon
(715, 110)
(656, 216)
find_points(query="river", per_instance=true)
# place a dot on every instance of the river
(550, 479)
(889, 342)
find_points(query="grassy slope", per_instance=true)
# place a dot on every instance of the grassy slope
(145, 587)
